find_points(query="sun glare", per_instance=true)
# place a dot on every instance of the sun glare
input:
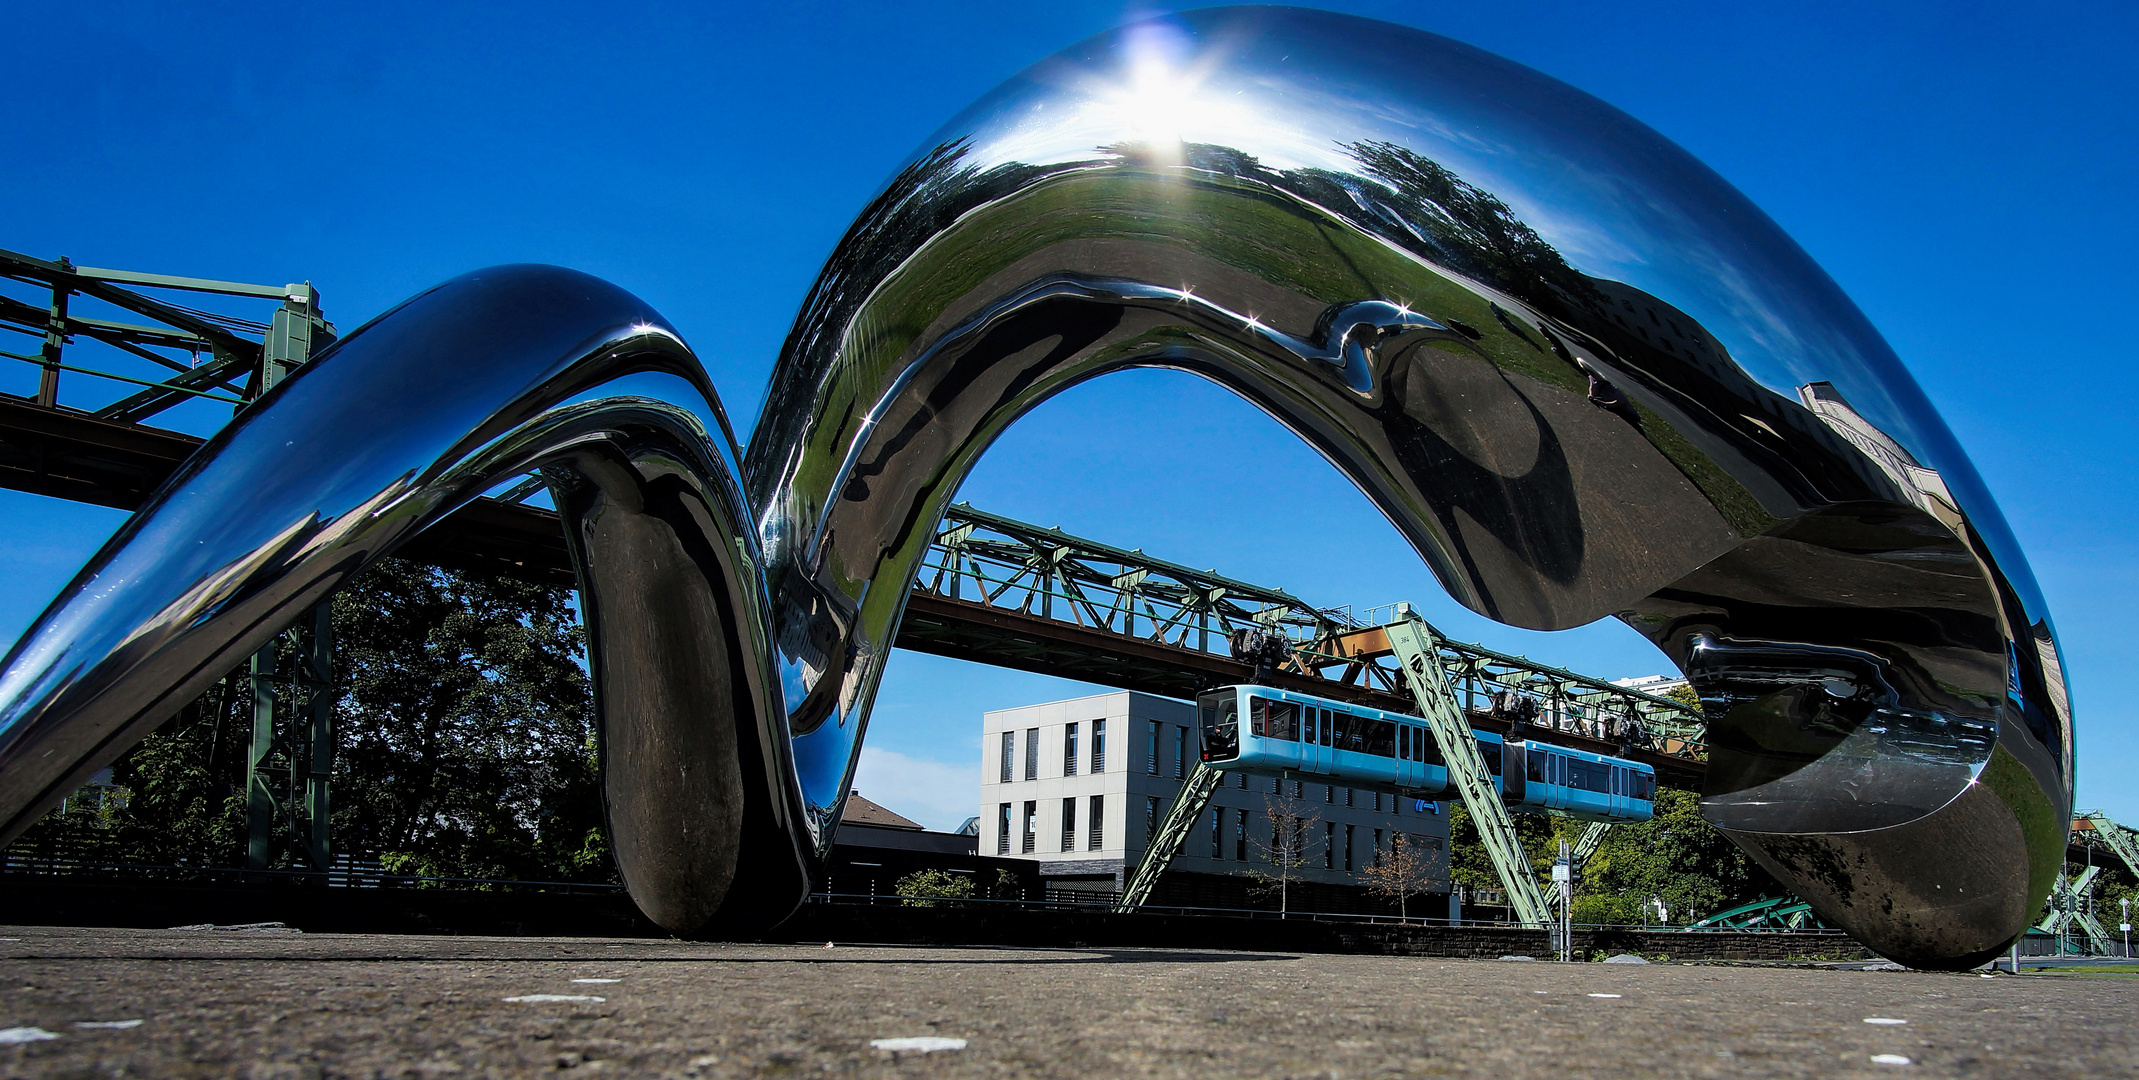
(1161, 98)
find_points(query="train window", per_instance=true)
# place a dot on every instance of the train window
(1221, 726)
(1645, 786)
(1589, 776)
(1276, 719)
(1403, 742)
(1535, 769)
(1490, 751)
(1381, 738)
(1424, 748)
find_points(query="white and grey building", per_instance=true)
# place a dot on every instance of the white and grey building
(1080, 786)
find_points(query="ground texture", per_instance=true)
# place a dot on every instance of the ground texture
(248, 1004)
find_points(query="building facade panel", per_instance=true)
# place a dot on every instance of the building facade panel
(1132, 752)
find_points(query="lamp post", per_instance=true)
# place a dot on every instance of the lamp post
(2125, 924)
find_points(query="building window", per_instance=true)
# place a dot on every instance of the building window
(1151, 764)
(1002, 829)
(1329, 794)
(1277, 786)
(1180, 753)
(1151, 818)
(1297, 789)
(1032, 753)
(1099, 746)
(1094, 824)
(1069, 750)
(1032, 814)
(1069, 824)
(1010, 739)
(1218, 833)
(1240, 836)
(1376, 860)
(1348, 839)
(1329, 846)
(1240, 781)
(1351, 796)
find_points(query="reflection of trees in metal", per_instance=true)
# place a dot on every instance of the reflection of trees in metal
(1559, 445)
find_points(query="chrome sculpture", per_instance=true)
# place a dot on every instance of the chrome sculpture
(1579, 372)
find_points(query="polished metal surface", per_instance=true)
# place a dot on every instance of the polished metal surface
(1579, 372)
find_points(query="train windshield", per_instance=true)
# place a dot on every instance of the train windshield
(1220, 713)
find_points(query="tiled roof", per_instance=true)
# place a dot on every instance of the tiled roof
(861, 811)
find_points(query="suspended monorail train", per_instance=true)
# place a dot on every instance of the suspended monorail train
(1272, 732)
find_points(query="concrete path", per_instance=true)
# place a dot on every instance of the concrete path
(263, 1004)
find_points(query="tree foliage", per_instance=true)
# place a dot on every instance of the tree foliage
(464, 734)
(926, 888)
(1678, 858)
(466, 727)
(1675, 857)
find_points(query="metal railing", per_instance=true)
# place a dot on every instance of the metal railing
(344, 872)
(190, 355)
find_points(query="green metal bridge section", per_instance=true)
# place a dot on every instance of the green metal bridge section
(2069, 910)
(1004, 592)
(1772, 913)
(182, 356)
(1416, 649)
(1180, 820)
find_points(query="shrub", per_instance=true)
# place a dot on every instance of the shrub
(924, 888)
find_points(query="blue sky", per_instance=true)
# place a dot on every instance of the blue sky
(1963, 170)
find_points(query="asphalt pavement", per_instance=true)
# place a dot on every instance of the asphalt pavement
(258, 1003)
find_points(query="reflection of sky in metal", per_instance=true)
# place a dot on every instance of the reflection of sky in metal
(1615, 198)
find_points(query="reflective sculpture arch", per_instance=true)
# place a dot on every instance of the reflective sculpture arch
(1580, 372)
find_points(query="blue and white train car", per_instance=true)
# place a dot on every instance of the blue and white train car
(1272, 732)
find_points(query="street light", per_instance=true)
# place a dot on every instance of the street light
(2125, 924)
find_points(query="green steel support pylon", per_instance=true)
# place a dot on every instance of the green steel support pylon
(292, 760)
(1180, 820)
(1414, 646)
(2068, 909)
(1592, 839)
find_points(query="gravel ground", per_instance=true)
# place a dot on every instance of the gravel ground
(220, 1003)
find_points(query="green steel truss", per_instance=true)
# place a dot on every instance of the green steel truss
(2068, 911)
(1773, 913)
(2101, 830)
(189, 354)
(1592, 839)
(1008, 564)
(1181, 818)
(1414, 643)
(292, 756)
(1045, 573)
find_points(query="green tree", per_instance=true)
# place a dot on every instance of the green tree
(177, 799)
(464, 733)
(466, 727)
(1679, 858)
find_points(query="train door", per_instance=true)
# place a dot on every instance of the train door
(1314, 720)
